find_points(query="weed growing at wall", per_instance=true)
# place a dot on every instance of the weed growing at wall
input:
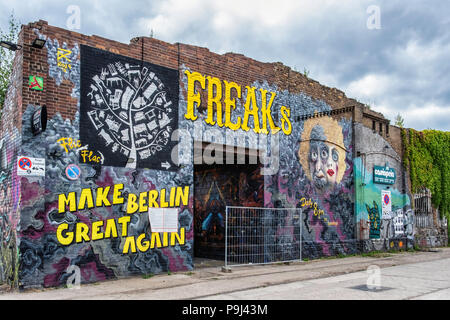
(7, 56)
(427, 155)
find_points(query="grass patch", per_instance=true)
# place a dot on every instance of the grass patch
(147, 276)
(376, 254)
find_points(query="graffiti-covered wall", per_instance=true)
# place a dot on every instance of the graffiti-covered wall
(316, 175)
(87, 219)
(383, 207)
(129, 168)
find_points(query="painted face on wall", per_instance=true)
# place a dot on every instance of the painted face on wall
(322, 152)
(323, 163)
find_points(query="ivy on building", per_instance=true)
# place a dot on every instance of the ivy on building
(427, 156)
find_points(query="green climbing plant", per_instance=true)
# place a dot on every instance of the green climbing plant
(7, 56)
(427, 156)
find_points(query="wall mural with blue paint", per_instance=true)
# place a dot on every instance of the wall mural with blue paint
(395, 224)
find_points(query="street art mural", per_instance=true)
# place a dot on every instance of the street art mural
(323, 144)
(91, 238)
(103, 238)
(129, 110)
(216, 188)
(315, 160)
(375, 221)
(111, 163)
(371, 222)
(316, 176)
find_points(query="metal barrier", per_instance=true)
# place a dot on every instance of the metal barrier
(423, 221)
(262, 235)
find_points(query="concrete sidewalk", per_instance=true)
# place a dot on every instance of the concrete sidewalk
(207, 279)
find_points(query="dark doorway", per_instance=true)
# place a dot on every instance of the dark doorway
(215, 187)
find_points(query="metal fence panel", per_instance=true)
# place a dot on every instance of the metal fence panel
(262, 235)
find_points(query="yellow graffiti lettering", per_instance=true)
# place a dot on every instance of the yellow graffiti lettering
(132, 206)
(214, 99)
(162, 201)
(117, 195)
(129, 244)
(86, 197)
(266, 113)
(152, 196)
(69, 143)
(155, 238)
(110, 229)
(231, 103)
(142, 202)
(182, 196)
(96, 234)
(88, 156)
(82, 232)
(124, 222)
(152, 199)
(218, 91)
(69, 200)
(64, 239)
(102, 197)
(179, 237)
(251, 100)
(192, 96)
(286, 113)
(142, 246)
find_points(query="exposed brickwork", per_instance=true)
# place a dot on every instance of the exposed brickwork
(229, 66)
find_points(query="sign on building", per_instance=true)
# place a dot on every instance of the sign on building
(27, 166)
(386, 205)
(384, 175)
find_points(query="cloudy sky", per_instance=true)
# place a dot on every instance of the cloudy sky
(393, 55)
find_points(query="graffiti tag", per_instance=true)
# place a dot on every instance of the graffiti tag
(63, 60)
(69, 143)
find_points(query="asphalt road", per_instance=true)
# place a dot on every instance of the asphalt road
(422, 281)
(406, 275)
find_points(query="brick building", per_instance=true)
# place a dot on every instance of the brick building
(100, 137)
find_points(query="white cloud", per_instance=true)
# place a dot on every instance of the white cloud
(369, 86)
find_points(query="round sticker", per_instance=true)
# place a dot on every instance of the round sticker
(73, 172)
(24, 163)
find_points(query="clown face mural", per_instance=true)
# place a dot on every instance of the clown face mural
(322, 152)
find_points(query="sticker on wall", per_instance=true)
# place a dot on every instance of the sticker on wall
(128, 110)
(163, 219)
(73, 172)
(27, 166)
(386, 205)
(36, 83)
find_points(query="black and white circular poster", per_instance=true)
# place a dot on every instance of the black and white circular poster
(128, 111)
